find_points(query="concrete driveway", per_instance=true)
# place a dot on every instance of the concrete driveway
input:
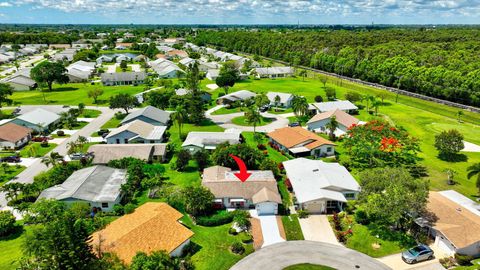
(317, 228)
(395, 262)
(281, 255)
(270, 230)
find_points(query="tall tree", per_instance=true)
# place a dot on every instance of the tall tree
(192, 77)
(5, 91)
(49, 72)
(299, 105)
(253, 117)
(225, 81)
(123, 101)
(180, 116)
(95, 93)
(332, 127)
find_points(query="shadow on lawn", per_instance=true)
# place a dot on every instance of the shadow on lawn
(453, 158)
(19, 230)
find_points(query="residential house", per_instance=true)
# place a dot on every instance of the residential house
(453, 220)
(59, 46)
(149, 114)
(99, 186)
(172, 41)
(119, 58)
(104, 59)
(301, 142)
(259, 191)
(274, 72)
(21, 80)
(240, 95)
(320, 187)
(166, 69)
(13, 136)
(205, 96)
(187, 61)
(343, 105)
(285, 99)
(80, 71)
(164, 48)
(197, 140)
(319, 122)
(104, 153)
(205, 66)
(123, 45)
(212, 74)
(177, 54)
(65, 55)
(123, 78)
(136, 132)
(154, 226)
(39, 120)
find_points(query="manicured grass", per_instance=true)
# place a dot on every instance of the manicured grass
(10, 172)
(215, 245)
(79, 125)
(207, 125)
(35, 149)
(227, 111)
(11, 250)
(113, 122)
(280, 110)
(272, 153)
(307, 266)
(293, 231)
(90, 113)
(73, 94)
(242, 121)
(390, 242)
(6, 114)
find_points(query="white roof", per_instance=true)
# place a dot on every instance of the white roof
(284, 97)
(186, 61)
(461, 200)
(142, 130)
(39, 116)
(274, 70)
(202, 139)
(342, 105)
(314, 179)
(239, 95)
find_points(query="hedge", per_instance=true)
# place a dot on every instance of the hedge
(220, 218)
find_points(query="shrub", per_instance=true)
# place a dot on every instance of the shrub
(60, 133)
(247, 238)
(232, 231)
(318, 99)
(219, 218)
(463, 259)
(302, 213)
(118, 209)
(361, 217)
(241, 219)
(44, 144)
(237, 248)
(7, 223)
(261, 146)
(129, 208)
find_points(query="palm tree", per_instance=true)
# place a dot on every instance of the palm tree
(52, 159)
(332, 126)
(81, 141)
(376, 104)
(277, 100)
(72, 147)
(450, 174)
(368, 99)
(459, 116)
(474, 170)
(302, 73)
(180, 116)
(253, 117)
(299, 105)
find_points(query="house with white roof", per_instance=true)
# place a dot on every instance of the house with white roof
(149, 114)
(137, 132)
(99, 186)
(212, 74)
(166, 68)
(104, 59)
(205, 66)
(285, 99)
(240, 95)
(343, 105)
(187, 61)
(80, 71)
(197, 140)
(320, 187)
(65, 55)
(39, 120)
(274, 72)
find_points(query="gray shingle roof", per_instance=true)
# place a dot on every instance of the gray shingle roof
(149, 112)
(143, 130)
(274, 70)
(39, 116)
(123, 76)
(239, 95)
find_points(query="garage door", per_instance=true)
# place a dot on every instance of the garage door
(266, 208)
(445, 245)
(316, 207)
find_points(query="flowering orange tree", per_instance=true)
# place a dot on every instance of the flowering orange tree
(378, 144)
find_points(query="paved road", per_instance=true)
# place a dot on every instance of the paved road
(281, 255)
(36, 167)
(225, 120)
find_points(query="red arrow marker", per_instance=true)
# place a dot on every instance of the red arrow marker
(243, 175)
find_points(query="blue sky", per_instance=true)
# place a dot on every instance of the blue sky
(240, 11)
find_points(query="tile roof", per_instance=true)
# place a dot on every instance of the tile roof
(342, 117)
(291, 137)
(458, 224)
(149, 112)
(11, 132)
(223, 183)
(152, 227)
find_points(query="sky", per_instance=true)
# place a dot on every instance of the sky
(240, 11)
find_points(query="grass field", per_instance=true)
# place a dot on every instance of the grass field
(307, 266)
(36, 150)
(89, 113)
(119, 69)
(293, 231)
(11, 250)
(72, 94)
(227, 111)
(11, 171)
(242, 121)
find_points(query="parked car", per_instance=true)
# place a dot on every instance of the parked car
(417, 254)
(77, 156)
(264, 108)
(101, 132)
(11, 159)
(294, 124)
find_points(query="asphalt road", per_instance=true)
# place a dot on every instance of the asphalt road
(37, 167)
(281, 255)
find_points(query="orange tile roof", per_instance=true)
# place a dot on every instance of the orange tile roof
(342, 117)
(11, 132)
(458, 224)
(152, 227)
(295, 136)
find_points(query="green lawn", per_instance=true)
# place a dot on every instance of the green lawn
(113, 122)
(224, 110)
(475, 266)
(205, 126)
(242, 121)
(214, 245)
(293, 231)
(272, 153)
(11, 172)
(35, 149)
(307, 266)
(280, 110)
(89, 113)
(11, 250)
(119, 69)
(72, 94)
(6, 114)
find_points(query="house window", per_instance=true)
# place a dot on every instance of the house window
(104, 205)
(329, 149)
(117, 141)
(349, 195)
(125, 140)
(152, 141)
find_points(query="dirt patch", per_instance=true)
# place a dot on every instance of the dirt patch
(256, 233)
(280, 228)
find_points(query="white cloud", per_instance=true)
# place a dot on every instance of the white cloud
(5, 4)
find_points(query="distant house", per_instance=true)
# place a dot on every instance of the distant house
(453, 220)
(13, 136)
(187, 61)
(343, 105)
(123, 78)
(285, 99)
(274, 72)
(241, 95)
(301, 142)
(39, 120)
(121, 57)
(320, 187)
(197, 140)
(182, 92)
(319, 122)
(154, 226)
(149, 114)
(99, 186)
(204, 66)
(177, 53)
(123, 45)
(164, 48)
(65, 55)
(259, 191)
(59, 46)
(104, 153)
(104, 59)
(80, 71)
(21, 80)
(136, 132)
(166, 69)
(212, 74)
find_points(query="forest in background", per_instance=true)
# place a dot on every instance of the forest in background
(442, 63)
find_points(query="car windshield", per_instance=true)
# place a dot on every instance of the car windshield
(416, 250)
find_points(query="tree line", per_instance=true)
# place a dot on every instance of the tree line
(442, 63)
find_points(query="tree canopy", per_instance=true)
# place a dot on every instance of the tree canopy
(49, 72)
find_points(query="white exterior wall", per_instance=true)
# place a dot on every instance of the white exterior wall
(95, 204)
(8, 145)
(178, 251)
(15, 145)
(319, 126)
(121, 136)
(323, 150)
